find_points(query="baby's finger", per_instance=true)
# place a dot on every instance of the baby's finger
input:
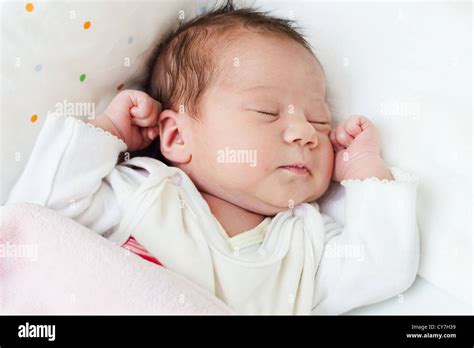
(149, 120)
(141, 122)
(143, 105)
(342, 136)
(141, 111)
(159, 107)
(155, 112)
(355, 124)
(146, 140)
(152, 132)
(334, 142)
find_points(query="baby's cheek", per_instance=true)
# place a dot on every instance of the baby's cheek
(325, 162)
(329, 162)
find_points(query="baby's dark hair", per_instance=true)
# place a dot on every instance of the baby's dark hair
(183, 65)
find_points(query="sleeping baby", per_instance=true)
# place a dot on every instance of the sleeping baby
(236, 104)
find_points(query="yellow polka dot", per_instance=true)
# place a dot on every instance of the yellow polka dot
(34, 118)
(29, 7)
(119, 87)
(87, 25)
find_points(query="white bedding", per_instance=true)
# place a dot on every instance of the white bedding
(406, 65)
(422, 298)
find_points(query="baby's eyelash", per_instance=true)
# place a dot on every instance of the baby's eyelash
(266, 113)
(320, 123)
(273, 114)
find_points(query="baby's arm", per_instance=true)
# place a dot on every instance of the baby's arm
(73, 170)
(375, 256)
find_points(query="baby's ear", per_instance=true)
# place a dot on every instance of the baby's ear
(172, 142)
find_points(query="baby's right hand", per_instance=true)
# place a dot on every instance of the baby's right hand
(133, 117)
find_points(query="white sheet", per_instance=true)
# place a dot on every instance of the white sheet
(421, 299)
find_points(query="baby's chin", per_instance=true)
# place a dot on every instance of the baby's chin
(271, 206)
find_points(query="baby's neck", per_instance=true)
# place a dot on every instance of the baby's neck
(233, 218)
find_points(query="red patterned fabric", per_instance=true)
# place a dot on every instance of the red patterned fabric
(136, 248)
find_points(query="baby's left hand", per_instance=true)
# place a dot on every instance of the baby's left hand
(357, 150)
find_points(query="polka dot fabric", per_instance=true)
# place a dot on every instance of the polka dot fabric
(58, 55)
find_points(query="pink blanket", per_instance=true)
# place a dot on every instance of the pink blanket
(50, 264)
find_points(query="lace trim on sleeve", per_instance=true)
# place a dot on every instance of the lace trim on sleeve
(85, 124)
(399, 175)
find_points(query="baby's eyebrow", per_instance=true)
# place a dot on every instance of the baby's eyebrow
(319, 102)
(258, 87)
(264, 88)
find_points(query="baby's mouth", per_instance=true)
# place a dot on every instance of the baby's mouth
(298, 168)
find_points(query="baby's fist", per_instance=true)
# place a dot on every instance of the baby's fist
(357, 147)
(135, 116)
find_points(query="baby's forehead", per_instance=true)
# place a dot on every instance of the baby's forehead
(270, 63)
(265, 53)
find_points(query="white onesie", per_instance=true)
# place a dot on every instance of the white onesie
(297, 262)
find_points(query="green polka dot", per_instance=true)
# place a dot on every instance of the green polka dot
(82, 77)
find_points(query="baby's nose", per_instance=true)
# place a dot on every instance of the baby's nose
(302, 133)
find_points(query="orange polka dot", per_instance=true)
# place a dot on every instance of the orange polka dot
(119, 87)
(29, 7)
(34, 118)
(87, 25)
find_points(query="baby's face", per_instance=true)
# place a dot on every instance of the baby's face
(266, 111)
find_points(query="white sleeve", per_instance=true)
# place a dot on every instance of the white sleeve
(376, 255)
(72, 170)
